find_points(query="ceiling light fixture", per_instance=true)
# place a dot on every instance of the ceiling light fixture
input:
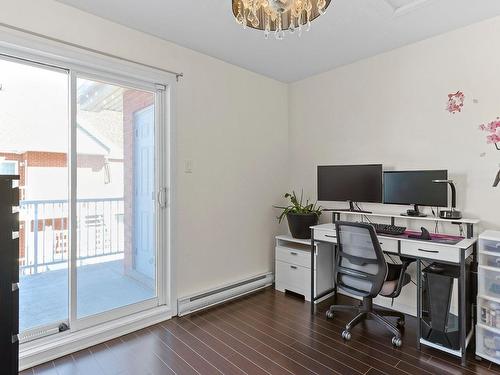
(278, 15)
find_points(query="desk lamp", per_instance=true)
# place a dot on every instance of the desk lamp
(450, 214)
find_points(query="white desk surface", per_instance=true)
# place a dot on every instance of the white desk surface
(287, 237)
(464, 244)
(427, 218)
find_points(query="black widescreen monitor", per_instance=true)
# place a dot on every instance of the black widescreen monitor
(416, 188)
(353, 183)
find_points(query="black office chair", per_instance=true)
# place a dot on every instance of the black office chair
(361, 270)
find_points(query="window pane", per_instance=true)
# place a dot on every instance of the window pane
(116, 249)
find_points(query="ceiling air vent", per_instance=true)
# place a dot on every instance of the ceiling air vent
(404, 6)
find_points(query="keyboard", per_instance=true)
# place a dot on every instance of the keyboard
(389, 229)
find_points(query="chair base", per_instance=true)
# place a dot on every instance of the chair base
(366, 311)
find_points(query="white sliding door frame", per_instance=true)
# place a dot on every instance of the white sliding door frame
(78, 323)
(101, 327)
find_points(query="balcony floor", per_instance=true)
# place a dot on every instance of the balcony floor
(101, 287)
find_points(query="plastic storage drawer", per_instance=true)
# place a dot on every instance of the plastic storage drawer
(490, 260)
(489, 282)
(488, 343)
(489, 245)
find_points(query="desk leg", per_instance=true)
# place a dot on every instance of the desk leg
(462, 311)
(419, 302)
(313, 297)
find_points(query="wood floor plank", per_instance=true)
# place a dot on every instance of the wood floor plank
(165, 353)
(371, 332)
(313, 345)
(414, 361)
(264, 333)
(107, 361)
(210, 355)
(196, 361)
(276, 354)
(142, 353)
(241, 347)
(86, 363)
(221, 347)
(309, 358)
(381, 353)
(337, 362)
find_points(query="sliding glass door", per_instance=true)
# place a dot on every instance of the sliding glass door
(116, 250)
(34, 130)
(86, 147)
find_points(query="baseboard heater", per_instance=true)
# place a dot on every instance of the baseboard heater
(199, 301)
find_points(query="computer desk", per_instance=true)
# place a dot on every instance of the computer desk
(430, 251)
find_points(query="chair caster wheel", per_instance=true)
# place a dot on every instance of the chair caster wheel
(329, 314)
(346, 335)
(397, 342)
(400, 323)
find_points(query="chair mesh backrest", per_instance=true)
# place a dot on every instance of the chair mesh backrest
(361, 268)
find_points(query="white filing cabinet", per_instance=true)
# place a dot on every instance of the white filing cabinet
(488, 300)
(293, 267)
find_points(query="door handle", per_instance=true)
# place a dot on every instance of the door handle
(429, 251)
(293, 253)
(329, 236)
(162, 197)
(293, 267)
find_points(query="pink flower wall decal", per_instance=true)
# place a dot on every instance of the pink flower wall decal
(455, 102)
(493, 130)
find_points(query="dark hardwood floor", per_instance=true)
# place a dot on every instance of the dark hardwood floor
(264, 333)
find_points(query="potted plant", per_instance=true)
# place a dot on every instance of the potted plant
(300, 216)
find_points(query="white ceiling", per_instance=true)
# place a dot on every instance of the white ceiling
(349, 31)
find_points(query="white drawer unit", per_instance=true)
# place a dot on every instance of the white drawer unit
(292, 255)
(293, 267)
(325, 235)
(424, 249)
(488, 301)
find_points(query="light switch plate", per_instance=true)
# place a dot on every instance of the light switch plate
(188, 166)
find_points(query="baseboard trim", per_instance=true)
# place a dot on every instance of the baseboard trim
(223, 293)
(49, 348)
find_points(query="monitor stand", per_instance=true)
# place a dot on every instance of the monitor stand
(352, 208)
(414, 213)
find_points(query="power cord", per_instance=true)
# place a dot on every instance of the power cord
(364, 217)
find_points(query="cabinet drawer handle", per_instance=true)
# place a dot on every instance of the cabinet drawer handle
(293, 253)
(329, 236)
(293, 267)
(429, 251)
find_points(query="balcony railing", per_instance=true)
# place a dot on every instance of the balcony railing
(44, 237)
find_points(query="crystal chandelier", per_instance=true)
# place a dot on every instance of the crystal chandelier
(278, 15)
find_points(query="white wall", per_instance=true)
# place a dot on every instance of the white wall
(224, 224)
(390, 109)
